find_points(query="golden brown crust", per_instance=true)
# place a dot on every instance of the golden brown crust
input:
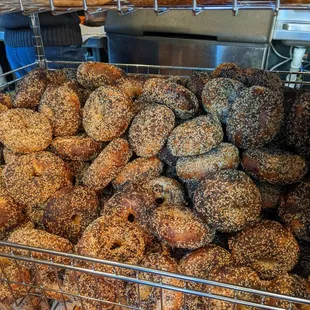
(13, 272)
(243, 276)
(274, 165)
(166, 191)
(287, 284)
(11, 214)
(56, 77)
(62, 107)
(77, 169)
(81, 148)
(255, 117)
(108, 164)
(150, 129)
(30, 89)
(196, 136)
(196, 168)
(294, 210)
(176, 97)
(132, 85)
(218, 95)
(226, 70)
(69, 211)
(81, 92)
(31, 179)
(179, 227)
(151, 296)
(267, 247)
(228, 200)
(107, 113)
(95, 74)
(25, 131)
(113, 239)
(137, 171)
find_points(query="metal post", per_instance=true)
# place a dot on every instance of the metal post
(38, 41)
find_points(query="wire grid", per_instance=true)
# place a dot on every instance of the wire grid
(74, 273)
(123, 7)
(299, 79)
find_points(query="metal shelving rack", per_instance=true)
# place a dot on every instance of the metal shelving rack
(20, 254)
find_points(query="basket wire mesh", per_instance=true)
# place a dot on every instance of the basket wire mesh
(38, 289)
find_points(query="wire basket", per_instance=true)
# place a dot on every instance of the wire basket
(89, 275)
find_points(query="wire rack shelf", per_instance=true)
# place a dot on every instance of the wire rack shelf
(63, 266)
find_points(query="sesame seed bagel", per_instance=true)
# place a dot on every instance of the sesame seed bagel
(267, 247)
(107, 113)
(297, 131)
(271, 195)
(88, 285)
(274, 165)
(243, 276)
(218, 95)
(139, 170)
(196, 168)
(150, 129)
(294, 210)
(61, 105)
(31, 179)
(151, 296)
(82, 148)
(179, 227)
(197, 81)
(25, 131)
(69, 211)
(176, 97)
(9, 155)
(11, 214)
(226, 70)
(6, 100)
(107, 165)
(255, 117)
(77, 170)
(166, 191)
(30, 89)
(95, 74)
(196, 136)
(13, 272)
(56, 77)
(81, 92)
(132, 85)
(132, 203)
(228, 200)
(40, 239)
(200, 263)
(113, 239)
(287, 284)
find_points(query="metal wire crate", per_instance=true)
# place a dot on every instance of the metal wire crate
(37, 291)
(117, 275)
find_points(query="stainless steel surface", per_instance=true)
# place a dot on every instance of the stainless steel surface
(134, 274)
(293, 27)
(183, 52)
(249, 26)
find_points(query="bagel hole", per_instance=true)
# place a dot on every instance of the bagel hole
(115, 245)
(131, 218)
(76, 218)
(159, 200)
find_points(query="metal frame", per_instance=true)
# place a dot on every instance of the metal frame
(29, 6)
(72, 262)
